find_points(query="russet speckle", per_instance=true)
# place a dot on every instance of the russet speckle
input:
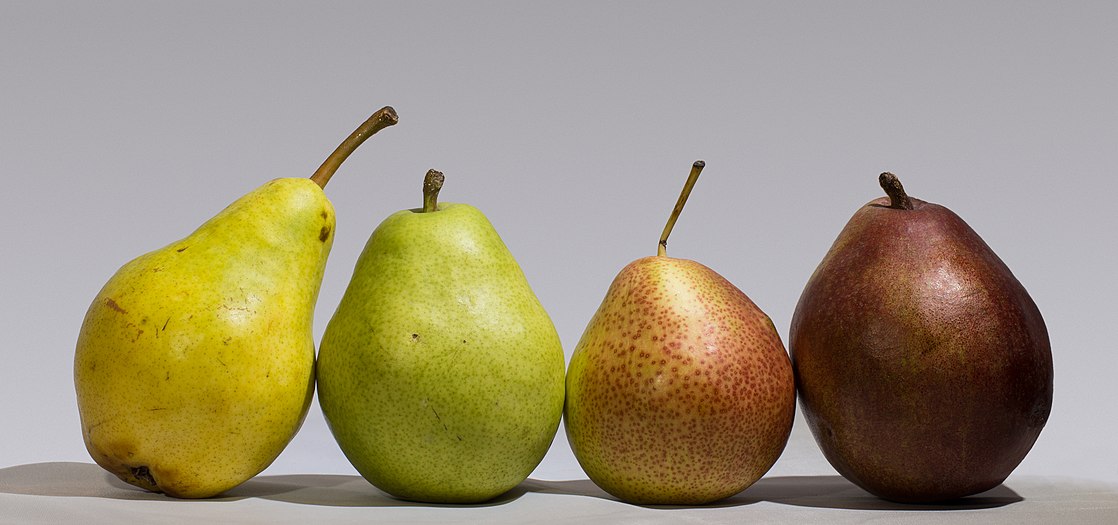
(680, 390)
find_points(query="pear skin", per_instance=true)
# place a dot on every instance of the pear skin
(195, 362)
(923, 366)
(440, 374)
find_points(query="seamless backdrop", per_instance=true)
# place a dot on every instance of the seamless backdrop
(124, 125)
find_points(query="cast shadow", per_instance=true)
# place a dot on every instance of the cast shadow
(71, 479)
(830, 492)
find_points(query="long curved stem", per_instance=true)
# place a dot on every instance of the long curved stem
(696, 168)
(383, 118)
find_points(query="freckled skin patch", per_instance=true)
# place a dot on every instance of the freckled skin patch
(680, 391)
(923, 366)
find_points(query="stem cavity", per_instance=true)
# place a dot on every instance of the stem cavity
(383, 118)
(898, 199)
(432, 183)
(696, 168)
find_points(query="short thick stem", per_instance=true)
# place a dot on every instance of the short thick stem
(898, 199)
(696, 168)
(432, 183)
(383, 118)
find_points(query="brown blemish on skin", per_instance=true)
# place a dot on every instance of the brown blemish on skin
(324, 233)
(115, 307)
(143, 475)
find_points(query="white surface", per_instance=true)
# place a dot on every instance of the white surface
(125, 125)
(68, 492)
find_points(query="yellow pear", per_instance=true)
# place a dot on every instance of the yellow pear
(194, 366)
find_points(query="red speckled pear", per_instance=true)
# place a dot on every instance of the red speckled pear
(923, 366)
(680, 391)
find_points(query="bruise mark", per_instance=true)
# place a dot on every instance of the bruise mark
(324, 233)
(115, 307)
(183, 249)
(138, 334)
(324, 215)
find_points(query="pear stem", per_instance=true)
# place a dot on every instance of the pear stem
(696, 168)
(432, 183)
(383, 118)
(898, 199)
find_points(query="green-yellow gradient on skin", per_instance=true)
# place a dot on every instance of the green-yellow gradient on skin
(440, 374)
(195, 364)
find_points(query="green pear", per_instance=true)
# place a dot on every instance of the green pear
(194, 366)
(440, 374)
(680, 391)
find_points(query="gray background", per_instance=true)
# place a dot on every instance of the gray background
(123, 126)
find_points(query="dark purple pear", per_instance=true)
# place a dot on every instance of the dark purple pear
(923, 366)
